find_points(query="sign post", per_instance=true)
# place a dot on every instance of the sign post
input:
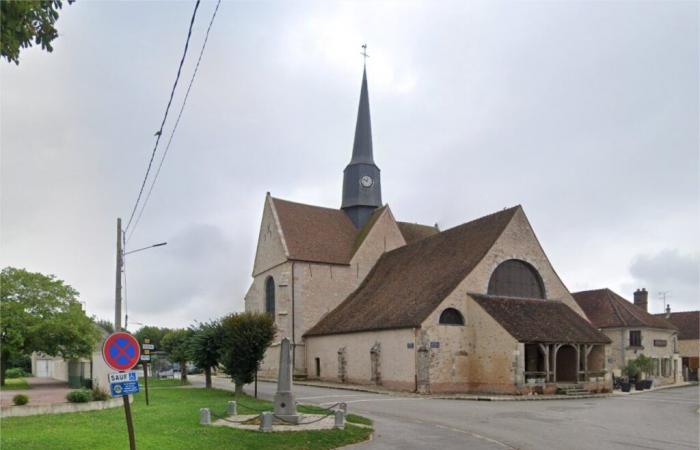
(145, 357)
(121, 352)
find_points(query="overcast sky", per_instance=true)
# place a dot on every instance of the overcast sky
(585, 113)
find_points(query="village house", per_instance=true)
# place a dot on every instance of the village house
(367, 299)
(688, 324)
(633, 332)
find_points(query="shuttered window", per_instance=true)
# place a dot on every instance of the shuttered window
(516, 278)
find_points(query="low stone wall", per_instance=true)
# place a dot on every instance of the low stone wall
(60, 408)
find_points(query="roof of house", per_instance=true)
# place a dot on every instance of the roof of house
(408, 283)
(413, 231)
(687, 322)
(314, 233)
(606, 309)
(543, 321)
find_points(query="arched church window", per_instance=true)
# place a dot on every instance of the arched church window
(516, 278)
(451, 316)
(270, 296)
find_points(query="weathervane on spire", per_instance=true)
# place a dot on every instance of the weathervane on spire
(364, 53)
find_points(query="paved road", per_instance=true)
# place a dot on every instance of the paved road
(665, 419)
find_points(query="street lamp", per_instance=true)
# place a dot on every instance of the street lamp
(146, 248)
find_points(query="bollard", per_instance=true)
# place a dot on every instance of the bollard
(204, 416)
(266, 421)
(339, 419)
(232, 409)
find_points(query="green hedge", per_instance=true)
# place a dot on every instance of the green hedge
(79, 396)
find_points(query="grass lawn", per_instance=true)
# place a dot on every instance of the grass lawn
(15, 383)
(170, 422)
(167, 382)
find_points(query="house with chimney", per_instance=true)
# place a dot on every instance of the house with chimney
(633, 332)
(688, 324)
(367, 299)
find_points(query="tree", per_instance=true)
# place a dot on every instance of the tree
(205, 348)
(645, 364)
(40, 313)
(104, 324)
(245, 337)
(22, 22)
(177, 344)
(155, 334)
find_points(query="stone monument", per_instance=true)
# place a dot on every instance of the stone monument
(284, 402)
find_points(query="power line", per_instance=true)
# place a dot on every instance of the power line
(165, 116)
(177, 121)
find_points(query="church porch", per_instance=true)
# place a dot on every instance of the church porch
(548, 367)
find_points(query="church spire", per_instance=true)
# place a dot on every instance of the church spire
(362, 192)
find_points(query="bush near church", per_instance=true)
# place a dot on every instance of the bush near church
(79, 396)
(20, 399)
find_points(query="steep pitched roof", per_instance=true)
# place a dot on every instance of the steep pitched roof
(606, 309)
(687, 322)
(413, 231)
(545, 321)
(316, 234)
(408, 283)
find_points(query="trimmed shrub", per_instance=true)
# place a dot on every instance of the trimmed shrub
(16, 372)
(99, 394)
(79, 396)
(20, 399)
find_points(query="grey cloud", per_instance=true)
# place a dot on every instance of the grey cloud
(669, 270)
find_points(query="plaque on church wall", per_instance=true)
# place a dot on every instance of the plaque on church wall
(410, 345)
(660, 343)
(435, 344)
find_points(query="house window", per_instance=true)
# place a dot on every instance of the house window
(451, 316)
(516, 278)
(635, 338)
(270, 296)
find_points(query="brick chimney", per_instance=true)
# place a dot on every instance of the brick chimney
(641, 298)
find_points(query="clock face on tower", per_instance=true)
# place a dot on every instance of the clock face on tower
(366, 181)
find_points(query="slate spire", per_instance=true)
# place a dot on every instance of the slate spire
(362, 192)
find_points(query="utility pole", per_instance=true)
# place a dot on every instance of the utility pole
(118, 286)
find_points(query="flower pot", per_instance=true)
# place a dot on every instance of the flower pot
(639, 385)
(625, 387)
(647, 384)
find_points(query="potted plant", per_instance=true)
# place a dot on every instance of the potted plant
(646, 366)
(630, 370)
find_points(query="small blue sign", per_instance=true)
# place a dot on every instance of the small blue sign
(122, 388)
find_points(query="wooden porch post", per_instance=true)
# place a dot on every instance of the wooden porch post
(554, 362)
(545, 352)
(587, 352)
(578, 362)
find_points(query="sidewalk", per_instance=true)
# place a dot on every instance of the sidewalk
(657, 388)
(475, 397)
(43, 391)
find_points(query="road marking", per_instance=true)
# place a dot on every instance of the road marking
(375, 400)
(476, 435)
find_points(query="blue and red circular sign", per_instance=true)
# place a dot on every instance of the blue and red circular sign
(121, 351)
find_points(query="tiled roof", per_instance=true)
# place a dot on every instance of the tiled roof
(408, 283)
(606, 309)
(413, 231)
(316, 234)
(544, 321)
(687, 322)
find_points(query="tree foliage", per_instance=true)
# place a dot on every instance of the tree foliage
(205, 347)
(245, 337)
(155, 334)
(177, 344)
(106, 325)
(41, 313)
(22, 22)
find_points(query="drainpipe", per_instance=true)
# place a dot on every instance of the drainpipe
(294, 342)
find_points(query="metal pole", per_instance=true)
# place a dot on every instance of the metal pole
(118, 286)
(145, 378)
(129, 423)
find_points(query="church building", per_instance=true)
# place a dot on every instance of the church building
(367, 299)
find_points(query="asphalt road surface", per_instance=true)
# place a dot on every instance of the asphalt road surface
(666, 419)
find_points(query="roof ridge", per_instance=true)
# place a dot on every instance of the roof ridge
(305, 204)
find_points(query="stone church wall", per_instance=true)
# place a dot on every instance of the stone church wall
(518, 241)
(368, 358)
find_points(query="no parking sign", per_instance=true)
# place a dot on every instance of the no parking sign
(121, 351)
